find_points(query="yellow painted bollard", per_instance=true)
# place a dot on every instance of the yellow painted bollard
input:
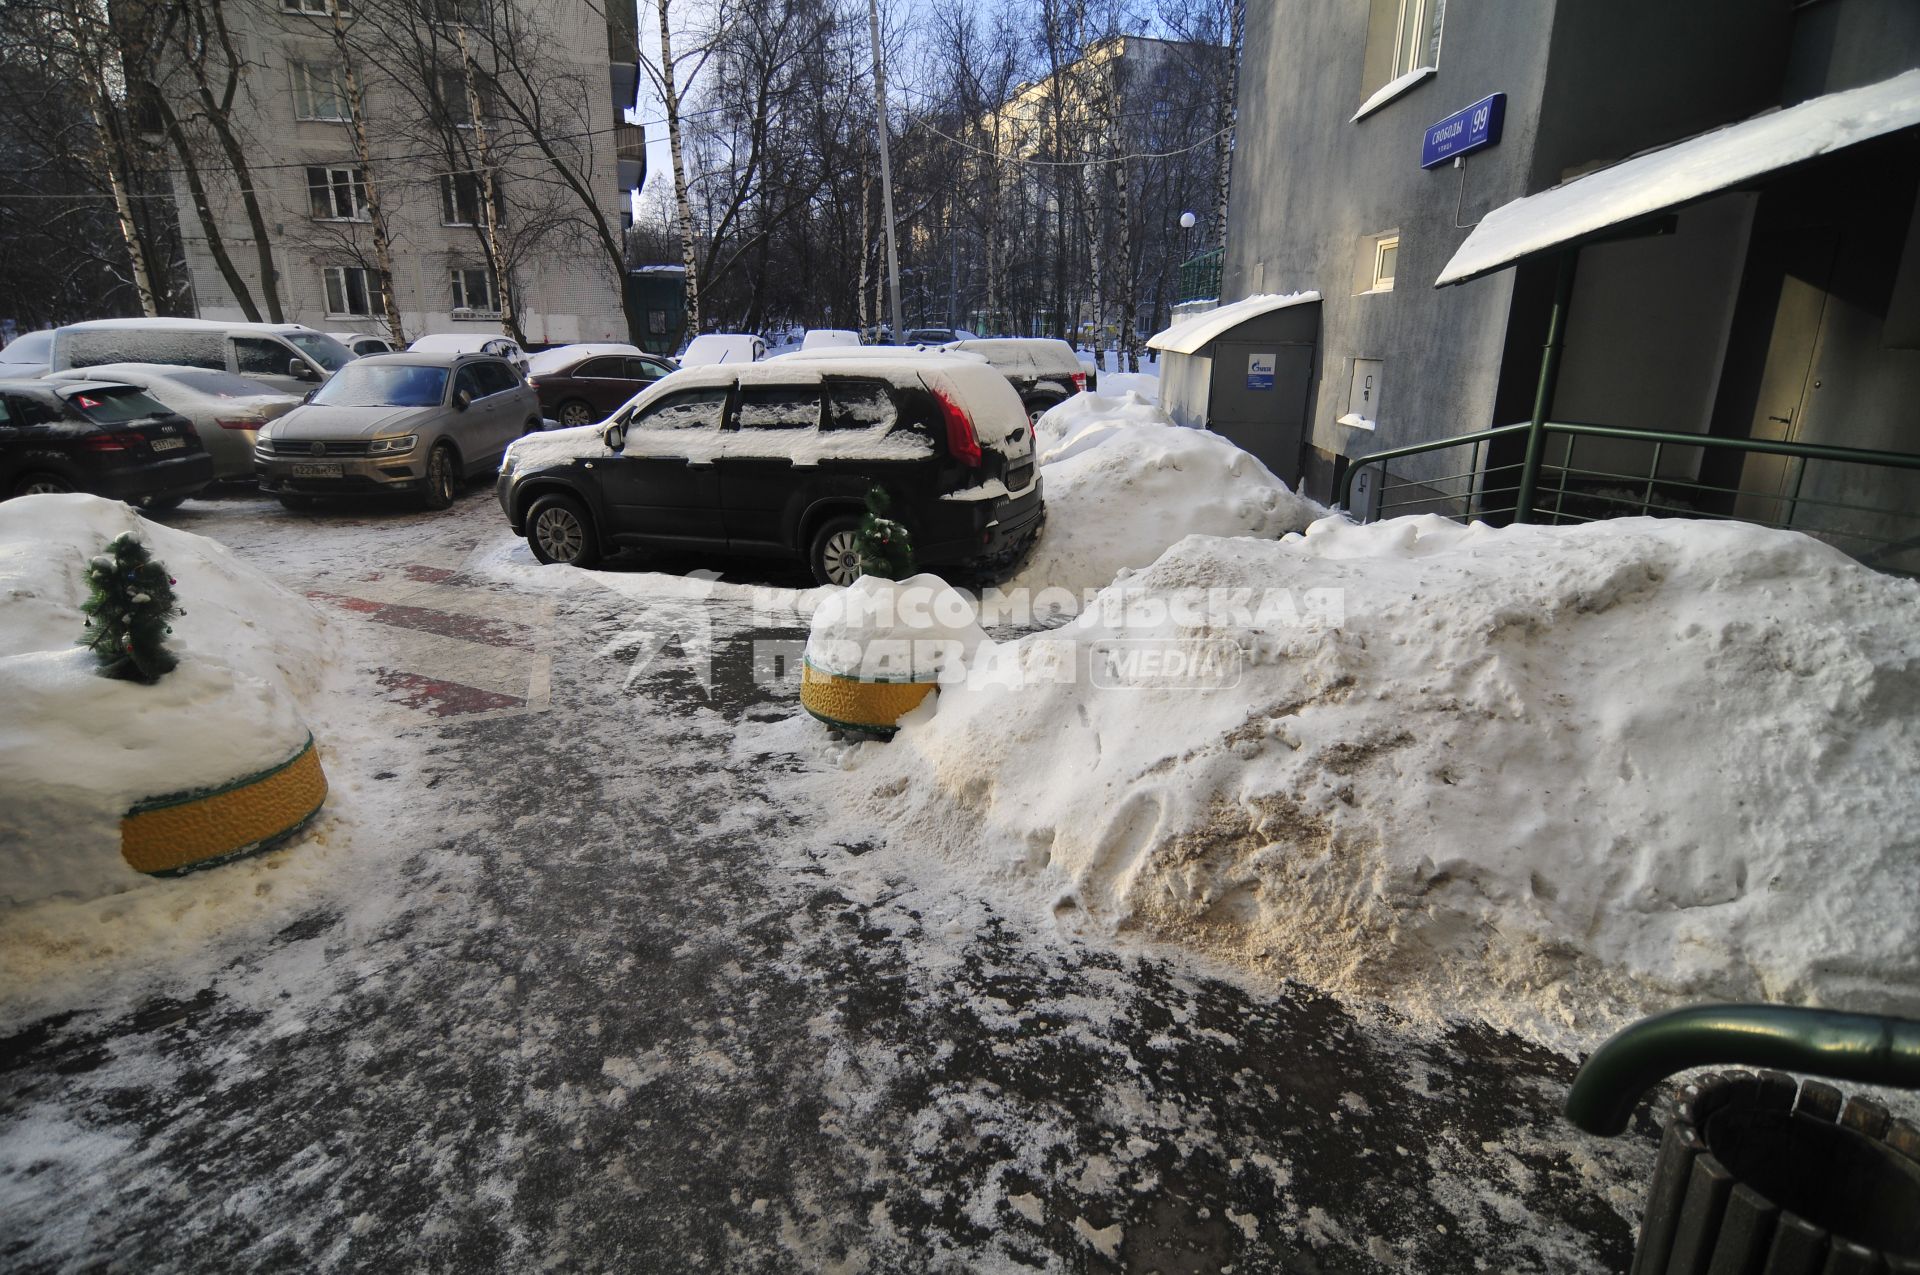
(852, 703)
(180, 832)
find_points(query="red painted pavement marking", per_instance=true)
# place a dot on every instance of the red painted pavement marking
(442, 698)
(428, 575)
(468, 628)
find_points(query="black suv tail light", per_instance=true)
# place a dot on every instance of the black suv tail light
(962, 443)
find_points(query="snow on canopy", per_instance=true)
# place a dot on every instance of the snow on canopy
(1683, 172)
(1191, 335)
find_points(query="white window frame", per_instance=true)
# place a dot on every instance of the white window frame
(332, 276)
(450, 212)
(1384, 283)
(458, 278)
(310, 81)
(1410, 56)
(352, 180)
(316, 8)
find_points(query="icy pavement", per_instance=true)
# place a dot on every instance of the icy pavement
(576, 990)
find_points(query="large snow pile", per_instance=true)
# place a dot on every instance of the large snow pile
(1555, 775)
(1123, 482)
(76, 748)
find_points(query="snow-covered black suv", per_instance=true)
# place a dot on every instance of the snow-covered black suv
(777, 459)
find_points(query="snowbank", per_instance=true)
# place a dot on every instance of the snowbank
(1552, 775)
(915, 629)
(1123, 483)
(1145, 384)
(76, 749)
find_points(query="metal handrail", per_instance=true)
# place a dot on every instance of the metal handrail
(1869, 1048)
(1574, 429)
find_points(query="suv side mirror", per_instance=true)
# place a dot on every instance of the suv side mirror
(300, 369)
(614, 435)
(462, 400)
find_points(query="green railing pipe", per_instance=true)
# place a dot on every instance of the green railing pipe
(1809, 451)
(1868, 1048)
(1549, 381)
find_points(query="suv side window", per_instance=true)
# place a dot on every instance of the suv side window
(689, 409)
(256, 357)
(779, 407)
(468, 379)
(860, 405)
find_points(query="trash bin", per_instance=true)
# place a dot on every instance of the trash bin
(1758, 1174)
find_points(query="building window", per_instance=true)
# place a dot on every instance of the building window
(460, 199)
(317, 94)
(337, 194)
(350, 291)
(316, 8)
(1411, 38)
(453, 98)
(466, 13)
(473, 293)
(1386, 255)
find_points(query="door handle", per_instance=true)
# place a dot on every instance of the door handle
(1784, 420)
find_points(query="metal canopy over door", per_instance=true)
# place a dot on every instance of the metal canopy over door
(1261, 397)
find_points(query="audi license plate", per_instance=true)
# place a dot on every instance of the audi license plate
(168, 444)
(317, 471)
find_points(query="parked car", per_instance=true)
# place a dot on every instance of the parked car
(580, 384)
(829, 338)
(406, 424)
(473, 343)
(226, 410)
(27, 354)
(362, 345)
(723, 347)
(97, 436)
(285, 357)
(1044, 372)
(936, 336)
(777, 459)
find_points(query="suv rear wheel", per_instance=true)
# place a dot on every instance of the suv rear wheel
(833, 555)
(1038, 407)
(41, 484)
(559, 532)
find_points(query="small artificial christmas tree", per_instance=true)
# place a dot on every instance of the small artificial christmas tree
(883, 545)
(128, 612)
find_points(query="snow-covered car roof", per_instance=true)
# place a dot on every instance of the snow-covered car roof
(939, 354)
(829, 338)
(1035, 353)
(968, 374)
(551, 361)
(459, 342)
(192, 325)
(721, 347)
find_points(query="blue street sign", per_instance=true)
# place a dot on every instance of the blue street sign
(1465, 131)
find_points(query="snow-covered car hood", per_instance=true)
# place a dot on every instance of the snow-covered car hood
(313, 421)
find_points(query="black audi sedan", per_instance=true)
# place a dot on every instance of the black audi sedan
(100, 437)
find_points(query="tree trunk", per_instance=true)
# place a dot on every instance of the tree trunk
(1228, 124)
(490, 213)
(382, 249)
(682, 202)
(111, 152)
(203, 210)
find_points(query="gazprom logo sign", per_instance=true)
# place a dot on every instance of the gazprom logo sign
(1465, 131)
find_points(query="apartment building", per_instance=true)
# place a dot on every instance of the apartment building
(1096, 163)
(1713, 206)
(475, 152)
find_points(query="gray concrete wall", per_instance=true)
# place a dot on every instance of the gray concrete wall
(1311, 188)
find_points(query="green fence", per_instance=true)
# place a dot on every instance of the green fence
(1200, 278)
(1861, 502)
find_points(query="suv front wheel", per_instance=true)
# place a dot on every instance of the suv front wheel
(559, 532)
(834, 555)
